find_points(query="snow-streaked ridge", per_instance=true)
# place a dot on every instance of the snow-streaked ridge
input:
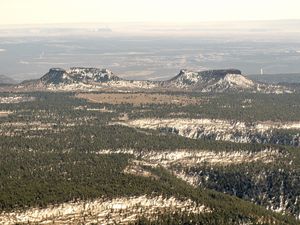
(122, 210)
(221, 81)
(239, 80)
(225, 130)
(191, 158)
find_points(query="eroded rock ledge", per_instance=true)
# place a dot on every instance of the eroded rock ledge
(103, 211)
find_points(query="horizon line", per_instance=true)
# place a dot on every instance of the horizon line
(149, 22)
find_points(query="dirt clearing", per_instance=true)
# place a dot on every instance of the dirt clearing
(139, 98)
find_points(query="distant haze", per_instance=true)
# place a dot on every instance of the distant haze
(266, 29)
(148, 56)
(98, 11)
(142, 39)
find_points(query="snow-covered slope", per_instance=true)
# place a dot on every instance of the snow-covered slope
(187, 78)
(220, 81)
(123, 210)
(225, 130)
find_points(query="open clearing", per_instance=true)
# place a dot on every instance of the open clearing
(4, 113)
(139, 98)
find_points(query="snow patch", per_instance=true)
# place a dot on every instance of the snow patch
(123, 210)
(239, 80)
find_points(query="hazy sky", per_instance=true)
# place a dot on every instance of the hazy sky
(97, 11)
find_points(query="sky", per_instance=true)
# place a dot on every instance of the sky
(18, 12)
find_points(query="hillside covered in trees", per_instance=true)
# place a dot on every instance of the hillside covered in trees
(58, 148)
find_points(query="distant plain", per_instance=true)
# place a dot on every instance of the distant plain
(142, 52)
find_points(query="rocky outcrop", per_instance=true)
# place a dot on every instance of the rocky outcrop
(224, 130)
(78, 75)
(124, 210)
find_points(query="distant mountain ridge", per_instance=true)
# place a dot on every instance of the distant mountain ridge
(6, 80)
(278, 78)
(92, 79)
